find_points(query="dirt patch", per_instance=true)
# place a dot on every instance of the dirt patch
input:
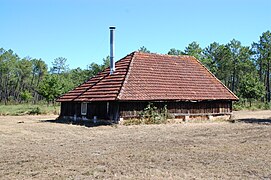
(31, 148)
(262, 114)
(255, 117)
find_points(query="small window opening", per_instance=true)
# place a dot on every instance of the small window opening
(84, 108)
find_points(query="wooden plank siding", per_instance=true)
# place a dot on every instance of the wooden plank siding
(70, 109)
(98, 109)
(102, 110)
(114, 110)
(132, 109)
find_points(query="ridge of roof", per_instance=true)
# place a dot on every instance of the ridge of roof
(164, 55)
(127, 74)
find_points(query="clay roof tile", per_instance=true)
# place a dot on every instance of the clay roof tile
(148, 76)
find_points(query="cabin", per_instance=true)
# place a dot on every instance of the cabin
(181, 82)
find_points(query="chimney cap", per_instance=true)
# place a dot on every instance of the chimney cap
(112, 27)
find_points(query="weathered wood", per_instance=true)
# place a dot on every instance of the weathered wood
(113, 110)
(102, 110)
(133, 109)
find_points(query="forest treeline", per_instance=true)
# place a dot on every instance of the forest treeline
(243, 69)
(30, 80)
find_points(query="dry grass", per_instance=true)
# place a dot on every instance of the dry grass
(33, 149)
(27, 109)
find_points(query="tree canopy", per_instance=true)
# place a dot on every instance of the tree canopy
(243, 69)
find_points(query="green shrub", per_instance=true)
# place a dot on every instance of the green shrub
(26, 96)
(237, 107)
(34, 111)
(267, 106)
(152, 115)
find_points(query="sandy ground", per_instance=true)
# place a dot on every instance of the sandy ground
(266, 114)
(31, 148)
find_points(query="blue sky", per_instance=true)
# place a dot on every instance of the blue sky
(78, 29)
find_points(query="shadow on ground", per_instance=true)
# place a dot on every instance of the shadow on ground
(255, 121)
(79, 123)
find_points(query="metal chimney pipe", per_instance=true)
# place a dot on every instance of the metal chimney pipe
(112, 52)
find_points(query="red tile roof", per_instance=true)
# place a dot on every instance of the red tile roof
(147, 76)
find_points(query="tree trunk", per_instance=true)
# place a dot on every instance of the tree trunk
(36, 96)
(6, 92)
(233, 75)
(233, 82)
(268, 80)
(1, 87)
(32, 80)
(261, 69)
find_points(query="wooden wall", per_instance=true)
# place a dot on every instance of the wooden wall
(132, 109)
(102, 110)
(70, 109)
(115, 110)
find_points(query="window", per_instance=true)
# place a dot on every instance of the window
(84, 108)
